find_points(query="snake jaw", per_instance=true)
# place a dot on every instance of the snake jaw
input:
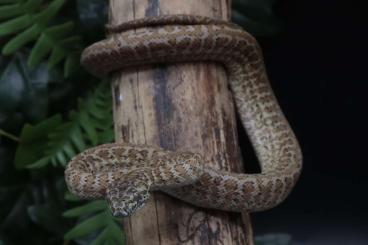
(127, 198)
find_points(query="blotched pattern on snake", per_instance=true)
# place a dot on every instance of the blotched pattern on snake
(124, 174)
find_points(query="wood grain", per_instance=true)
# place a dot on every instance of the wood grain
(178, 107)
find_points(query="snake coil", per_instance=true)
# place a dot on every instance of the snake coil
(124, 174)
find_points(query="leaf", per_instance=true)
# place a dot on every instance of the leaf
(60, 31)
(27, 207)
(59, 141)
(87, 226)
(14, 25)
(56, 56)
(56, 40)
(47, 14)
(30, 6)
(39, 163)
(88, 128)
(112, 234)
(10, 10)
(116, 233)
(70, 197)
(95, 218)
(21, 39)
(69, 150)
(71, 64)
(30, 22)
(102, 237)
(42, 47)
(9, 1)
(33, 140)
(77, 139)
(85, 209)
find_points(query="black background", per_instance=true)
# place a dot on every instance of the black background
(318, 68)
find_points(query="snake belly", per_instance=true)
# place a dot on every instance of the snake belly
(124, 174)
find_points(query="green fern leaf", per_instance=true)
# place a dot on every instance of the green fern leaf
(40, 163)
(90, 130)
(116, 233)
(30, 6)
(29, 21)
(83, 129)
(18, 7)
(99, 220)
(54, 39)
(10, 11)
(93, 206)
(33, 140)
(69, 150)
(15, 25)
(56, 56)
(102, 237)
(90, 124)
(78, 139)
(71, 63)
(43, 18)
(9, 1)
(60, 31)
(42, 47)
(88, 226)
(71, 197)
(20, 40)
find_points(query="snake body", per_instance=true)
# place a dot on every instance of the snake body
(124, 174)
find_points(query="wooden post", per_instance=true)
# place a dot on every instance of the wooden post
(178, 107)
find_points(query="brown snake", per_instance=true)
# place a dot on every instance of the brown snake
(125, 173)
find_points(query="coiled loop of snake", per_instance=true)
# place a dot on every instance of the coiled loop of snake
(124, 173)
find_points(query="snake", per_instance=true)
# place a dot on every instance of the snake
(125, 174)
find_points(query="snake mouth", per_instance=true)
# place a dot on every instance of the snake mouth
(126, 199)
(127, 210)
(120, 214)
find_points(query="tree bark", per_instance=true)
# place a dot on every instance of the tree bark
(178, 107)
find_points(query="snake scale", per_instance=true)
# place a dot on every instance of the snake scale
(124, 174)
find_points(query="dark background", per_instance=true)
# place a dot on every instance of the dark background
(318, 68)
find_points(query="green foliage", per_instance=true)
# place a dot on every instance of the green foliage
(53, 142)
(95, 218)
(34, 140)
(29, 88)
(29, 21)
(56, 142)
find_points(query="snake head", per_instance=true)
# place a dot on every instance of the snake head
(126, 198)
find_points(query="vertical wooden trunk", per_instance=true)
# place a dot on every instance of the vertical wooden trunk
(178, 107)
